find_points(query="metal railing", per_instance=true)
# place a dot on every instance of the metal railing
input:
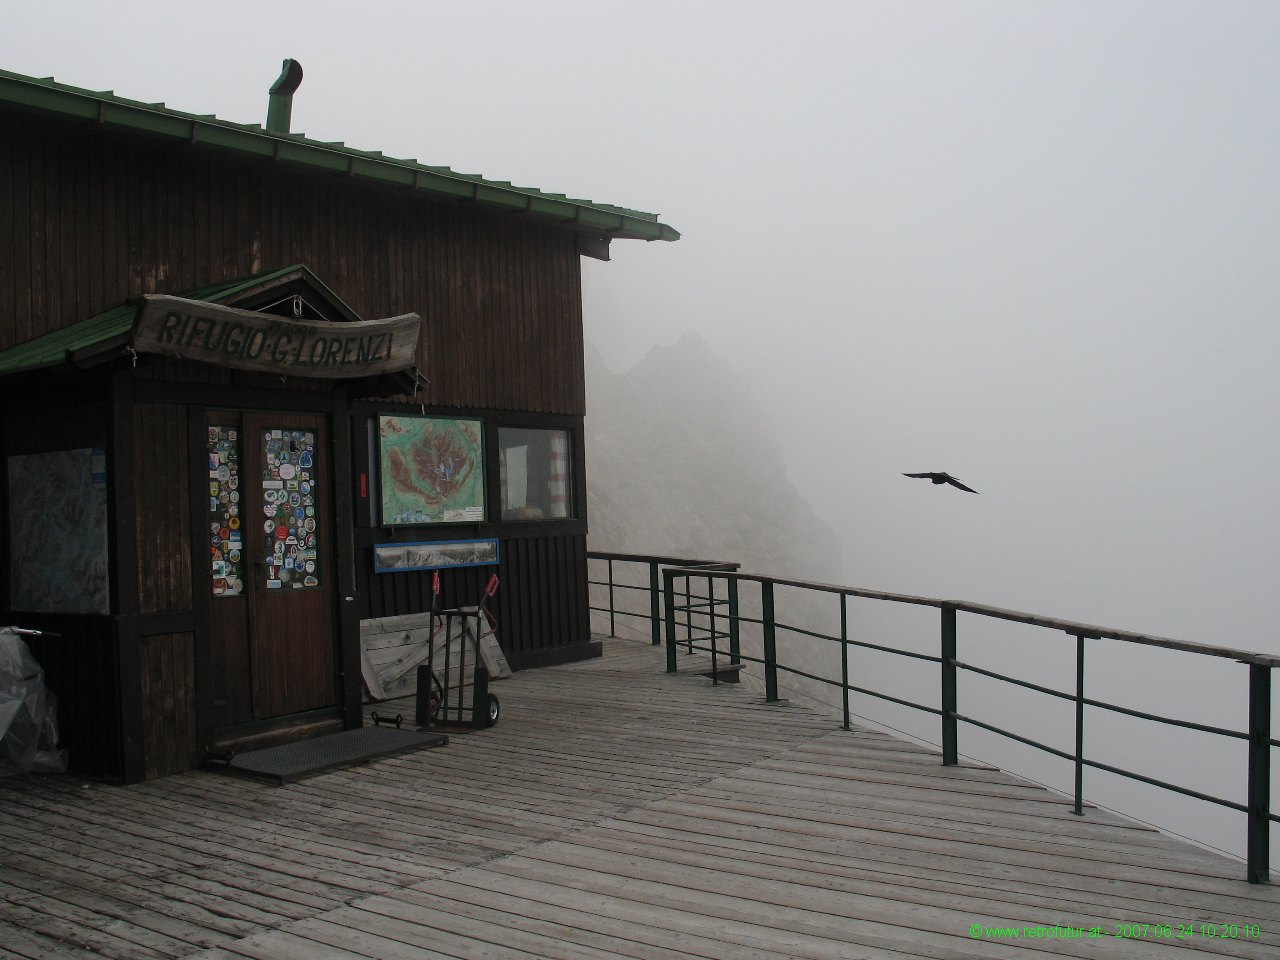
(618, 586)
(708, 620)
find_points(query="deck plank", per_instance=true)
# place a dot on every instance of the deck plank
(626, 939)
(1030, 887)
(616, 813)
(36, 946)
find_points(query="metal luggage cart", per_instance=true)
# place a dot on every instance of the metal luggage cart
(453, 685)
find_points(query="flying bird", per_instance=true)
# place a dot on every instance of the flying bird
(941, 478)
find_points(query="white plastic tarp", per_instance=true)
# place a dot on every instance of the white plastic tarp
(28, 712)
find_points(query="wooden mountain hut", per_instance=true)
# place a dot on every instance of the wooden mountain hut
(256, 388)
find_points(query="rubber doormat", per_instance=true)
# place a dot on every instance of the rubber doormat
(308, 758)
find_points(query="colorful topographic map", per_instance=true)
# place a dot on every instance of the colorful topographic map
(432, 470)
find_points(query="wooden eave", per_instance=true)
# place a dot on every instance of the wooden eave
(251, 141)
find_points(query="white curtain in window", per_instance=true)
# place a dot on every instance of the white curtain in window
(557, 485)
(502, 473)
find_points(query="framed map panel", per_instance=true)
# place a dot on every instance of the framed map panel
(431, 470)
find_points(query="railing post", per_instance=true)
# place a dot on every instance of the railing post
(688, 613)
(711, 620)
(770, 642)
(844, 656)
(613, 628)
(1079, 810)
(735, 640)
(950, 753)
(655, 607)
(711, 610)
(669, 596)
(1259, 845)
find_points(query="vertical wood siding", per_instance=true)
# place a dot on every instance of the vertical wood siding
(163, 518)
(169, 704)
(89, 220)
(541, 603)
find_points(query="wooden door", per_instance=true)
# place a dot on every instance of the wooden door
(271, 611)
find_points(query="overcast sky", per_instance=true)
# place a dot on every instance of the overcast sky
(1033, 244)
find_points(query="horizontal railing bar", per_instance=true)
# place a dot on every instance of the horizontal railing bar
(1167, 786)
(809, 676)
(684, 645)
(1188, 724)
(1099, 765)
(867, 645)
(680, 594)
(960, 664)
(1019, 737)
(857, 643)
(1069, 626)
(898, 700)
(741, 618)
(704, 623)
(864, 644)
(664, 561)
(620, 586)
(622, 613)
(628, 613)
(779, 625)
(700, 637)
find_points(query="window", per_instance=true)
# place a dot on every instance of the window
(535, 474)
(58, 532)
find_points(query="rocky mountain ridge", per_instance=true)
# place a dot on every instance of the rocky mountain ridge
(682, 460)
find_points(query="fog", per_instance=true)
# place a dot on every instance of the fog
(1032, 244)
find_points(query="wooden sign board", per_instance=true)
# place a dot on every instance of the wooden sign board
(245, 340)
(391, 649)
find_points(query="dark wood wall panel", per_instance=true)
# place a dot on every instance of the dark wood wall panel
(90, 220)
(171, 744)
(43, 422)
(36, 184)
(541, 604)
(18, 177)
(163, 519)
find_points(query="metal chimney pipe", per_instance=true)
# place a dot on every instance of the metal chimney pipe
(280, 106)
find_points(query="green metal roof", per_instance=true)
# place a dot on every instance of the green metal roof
(112, 328)
(253, 141)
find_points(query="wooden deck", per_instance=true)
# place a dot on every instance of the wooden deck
(614, 812)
